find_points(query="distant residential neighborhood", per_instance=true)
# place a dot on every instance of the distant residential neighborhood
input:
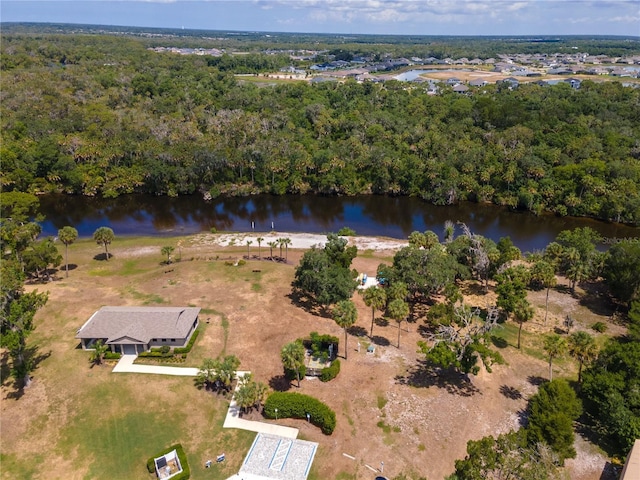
(519, 67)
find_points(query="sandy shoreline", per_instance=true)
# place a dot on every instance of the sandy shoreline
(302, 241)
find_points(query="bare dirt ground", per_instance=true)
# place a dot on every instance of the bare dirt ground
(389, 407)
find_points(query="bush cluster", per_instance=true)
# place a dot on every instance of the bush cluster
(186, 471)
(319, 344)
(112, 356)
(330, 372)
(297, 405)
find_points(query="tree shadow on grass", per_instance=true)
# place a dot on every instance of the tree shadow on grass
(102, 257)
(590, 430)
(280, 383)
(536, 380)
(308, 305)
(380, 341)
(5, 368)
(499, 342)
(510, 392)
(425, 375)
(381, 322)
(357, 331)
(597, 300)
(34, 357)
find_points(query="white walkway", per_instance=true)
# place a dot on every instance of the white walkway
(232, 420)
(126, 365)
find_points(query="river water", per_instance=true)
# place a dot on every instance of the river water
(394, 217)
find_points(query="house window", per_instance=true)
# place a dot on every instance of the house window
(173, 340)
(164, 339)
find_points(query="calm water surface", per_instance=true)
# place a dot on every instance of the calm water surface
(394, 217)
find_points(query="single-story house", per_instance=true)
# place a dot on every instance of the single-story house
(132, 330)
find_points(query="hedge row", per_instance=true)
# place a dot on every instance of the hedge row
(186, 472)
(155, 354)
(187, 349)
(331, 371)
(112, 356)
(297, 405)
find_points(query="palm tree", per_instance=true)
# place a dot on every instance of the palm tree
(67, 235)
(376, 298)
(292, 356)
(180, 250)
(280, 244)
(398, 310)
(345, 315)
(272, 245)
(554, 346)
(104, 236)
(249, 242)
(99, 349)
(583, 348)
(397, 290)
(449, 229)
(167, 250)
(287, 242)
(207, 373)
(260, 240)
(544, 274)
(577, 269)
(225, 371)
(522, 312)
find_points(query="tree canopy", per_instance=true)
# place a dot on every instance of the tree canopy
(323, 274)
(104, 115)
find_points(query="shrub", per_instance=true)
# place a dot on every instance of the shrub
(552, 412)
(599, 327)
(186, 471)
(346, 232)
(330, 372)
(319, 344)
(165, 349)
(187, 349)
(112, 356)
(297, 405)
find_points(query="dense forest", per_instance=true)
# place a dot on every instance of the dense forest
(104, 115)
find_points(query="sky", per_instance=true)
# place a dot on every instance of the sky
(396, 17)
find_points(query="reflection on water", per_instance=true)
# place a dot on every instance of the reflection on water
(394, 217)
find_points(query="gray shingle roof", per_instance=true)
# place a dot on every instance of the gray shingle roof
(139, 324)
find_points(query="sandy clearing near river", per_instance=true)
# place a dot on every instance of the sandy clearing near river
(302, 241)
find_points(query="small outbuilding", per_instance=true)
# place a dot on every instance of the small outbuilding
(168, 465)
(132, 330)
